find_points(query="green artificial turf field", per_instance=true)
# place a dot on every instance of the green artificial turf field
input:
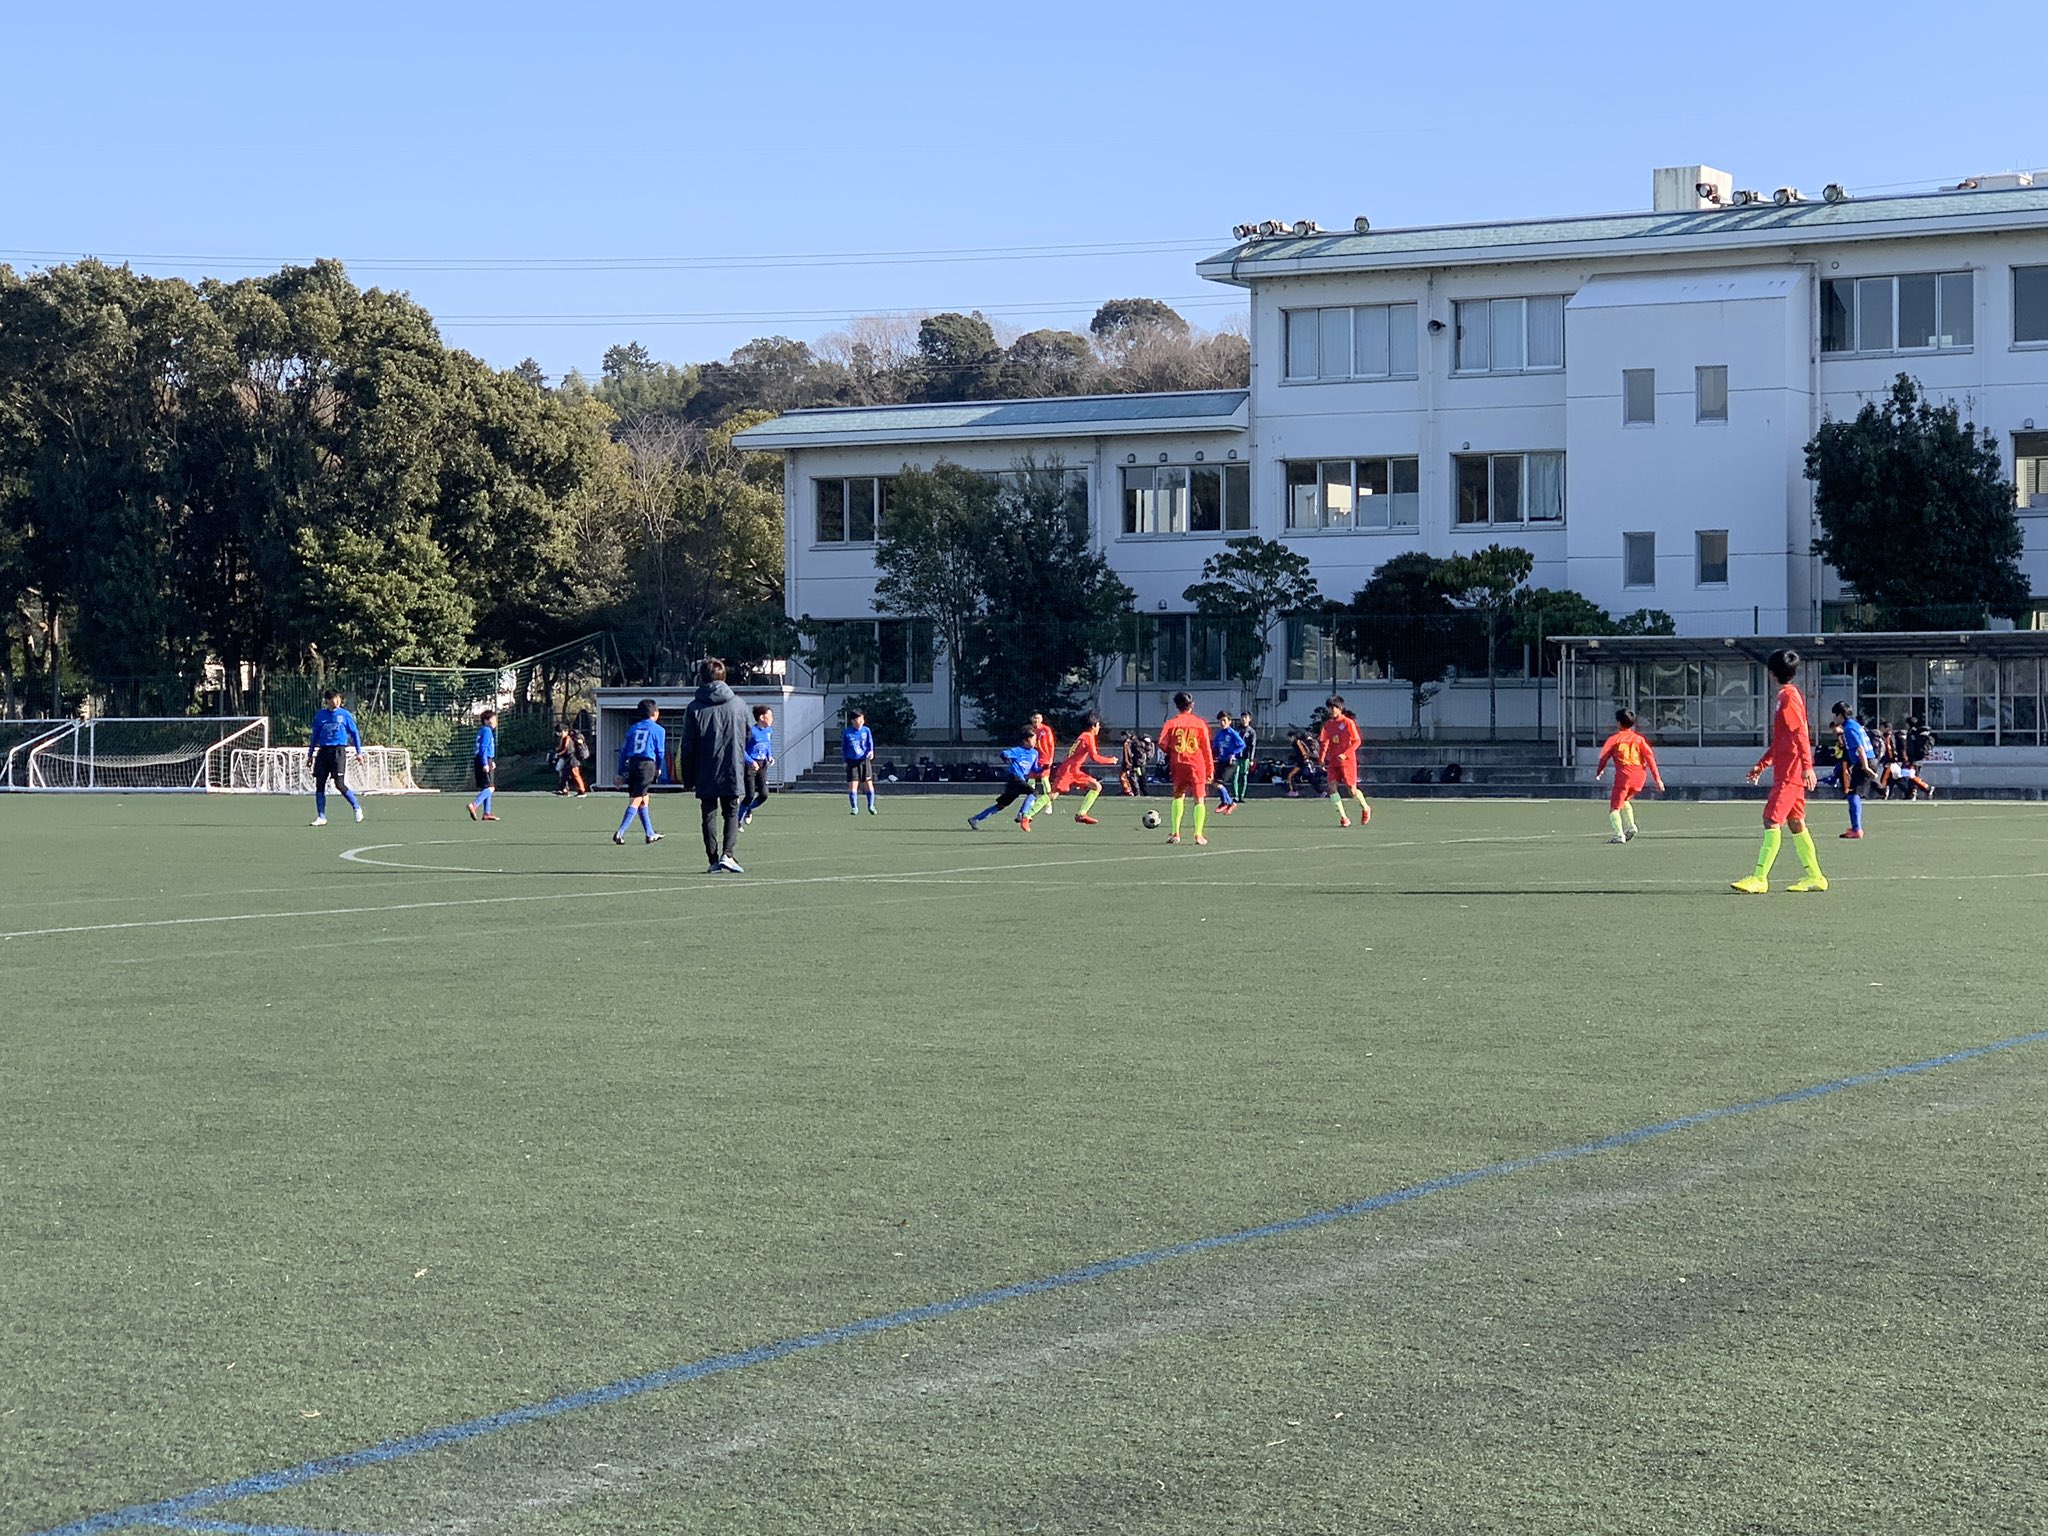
(300, 1154)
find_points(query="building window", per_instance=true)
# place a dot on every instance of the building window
(1639, 559)
(1177, 648)
(1638, 397)
(1493, 488)
(1710, 393)
(1711, 557)
(1367, 341)
(849, 510)
(1187, 498)
(1510, 335)
(1315, 654)
(2030, 304)
(2030, 469)
(1918, 312)
(869, 653)
(1378, 495)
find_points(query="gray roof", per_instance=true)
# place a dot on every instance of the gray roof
(1840, 645)
(1209, 410)
(1764, 224)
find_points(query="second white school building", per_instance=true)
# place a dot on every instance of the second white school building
(1627, 396)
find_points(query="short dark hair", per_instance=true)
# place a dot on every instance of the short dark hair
(1183, 701)
(760, 710)
(1334, 701)
(489, 714)
(1091, 720)
(710, 670)
(1625, 718)
(1784, 664)
(1839, 709)
(856, 714)
(648, 709)
(331, 696)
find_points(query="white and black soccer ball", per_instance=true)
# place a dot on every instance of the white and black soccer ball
(1151, 821)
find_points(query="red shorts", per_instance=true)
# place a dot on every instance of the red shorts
(1188, 779)
(1626, 787)
(1788, 799)
(1344, 772)
(1072, 779)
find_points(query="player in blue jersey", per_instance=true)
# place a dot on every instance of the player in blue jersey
(1229, 753)
(1857, 766)
(483, 766)
(760, 754)
(1020, 769)
(642, 752)
(334, 735)
(857, 746)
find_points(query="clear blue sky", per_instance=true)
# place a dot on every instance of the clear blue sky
(434, 147)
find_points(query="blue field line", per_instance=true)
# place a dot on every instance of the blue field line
(178, 1511)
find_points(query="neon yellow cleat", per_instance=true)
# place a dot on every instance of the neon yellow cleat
(1810, 883)
(1750, 885)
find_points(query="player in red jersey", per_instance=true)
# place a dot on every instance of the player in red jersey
(1073, 774)
(1338, 752)
(1191, 755)
(1790, 760)
(1634, 761)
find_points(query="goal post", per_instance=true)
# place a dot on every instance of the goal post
(173, 754)
(286, 771)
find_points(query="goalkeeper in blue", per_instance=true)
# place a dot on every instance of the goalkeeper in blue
(334, 734)
(483, 767)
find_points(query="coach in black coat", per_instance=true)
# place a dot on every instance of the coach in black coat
(711, 758)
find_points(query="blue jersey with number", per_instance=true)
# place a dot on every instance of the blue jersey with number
(1022, 762)
(856, 742)
(336, 728)
(643, 739)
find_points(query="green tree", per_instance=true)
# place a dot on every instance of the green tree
(1916, 514)
(1050, 604)
(1539, 615)
(1249, 588)
(959, 357)
(1485, 583)
(1120, 316)
(1042, 363)
(1646, 621)
(928, 559)
(1404, 620)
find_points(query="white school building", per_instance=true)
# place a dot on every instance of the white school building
(1627, 396)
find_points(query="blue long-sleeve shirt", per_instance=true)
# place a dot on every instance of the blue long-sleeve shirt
(643, 738)
(336, 728)
(760, 743)
(856, 742)
(1856, 743)
(487, 743)
(1228, 744)
(1022, 762)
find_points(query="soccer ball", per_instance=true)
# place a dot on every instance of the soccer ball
(1151, 820)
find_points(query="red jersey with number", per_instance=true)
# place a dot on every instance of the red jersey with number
(1189, 750)
(1341, 741)
(1075, 769)
(1631, 755)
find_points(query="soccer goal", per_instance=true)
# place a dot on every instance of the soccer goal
(285, 771)
(171, 754)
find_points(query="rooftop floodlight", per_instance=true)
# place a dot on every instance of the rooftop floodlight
(1835, 192)
(1271, 227)
(1744, 197)
(1967, 184)
(1785, 197)
(1244, 231)
(1707, 192)
(1361, 225)
(1307, 227)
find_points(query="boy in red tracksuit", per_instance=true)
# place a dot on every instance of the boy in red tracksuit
(1339, 746)
(1634, 761)
(1790, 760)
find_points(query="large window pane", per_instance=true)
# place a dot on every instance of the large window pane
(1916, 312)
(1371, 358)
(1170, 487)
(921, 652)
(860, 510)
(1638, 396)
(2030, 468)
(1546, 332)
(1710, 393)
(1508, 319)
(1401, 339)
(1306, 651)
(1304, 335)
(1471, 498)
(1404, 493)
(1837, 329)
(831, 511)
(894, 652)
(1205, 651)
(1137, 500)
(1546, 487)
(1874, 315)
(1336, 347)
(1301, 496)
(2030, 303)
(1337, 493)
(1507, 488)
(1473, 330)
(1958, 309)
(1173, 649)
(1372, 493)
(1237, 496)
(1713, 557)
(1639, 559)
(1205, 505)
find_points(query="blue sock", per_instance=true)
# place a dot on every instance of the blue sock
(350, 796)
(852, 800)
(983, 815)
(627, 820)
(647, 820)
(319, 802)
(1855, 813)
(486, 798)
(871, 799)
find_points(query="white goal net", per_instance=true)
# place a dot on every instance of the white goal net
(188, 753)
(286, 771)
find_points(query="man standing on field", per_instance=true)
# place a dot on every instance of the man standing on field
(711, 758)
(1790, 760)
(1184, 742)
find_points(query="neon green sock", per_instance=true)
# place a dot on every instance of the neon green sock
(1614, 821)
(1338, 801)
(1809, 856)
(1088, 803)
(1180, 805)
(1033, 807)
(1628, 813)
(1201, 815)
(1767, 855)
